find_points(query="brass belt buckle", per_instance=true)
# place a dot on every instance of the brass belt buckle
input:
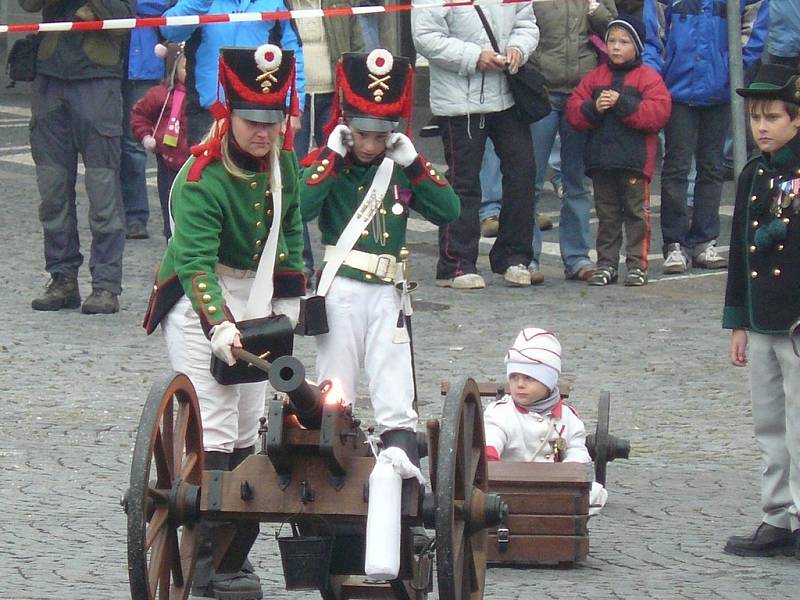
(383, 266)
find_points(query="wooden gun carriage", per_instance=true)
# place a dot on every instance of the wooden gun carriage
(548, 503)
(312, 472)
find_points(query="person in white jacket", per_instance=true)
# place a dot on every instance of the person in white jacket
(469, 93)
(532, 424)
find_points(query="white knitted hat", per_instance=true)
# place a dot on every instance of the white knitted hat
(535, 353)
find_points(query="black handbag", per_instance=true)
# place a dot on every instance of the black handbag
(528, 86)
(270, 337)
(21, 64)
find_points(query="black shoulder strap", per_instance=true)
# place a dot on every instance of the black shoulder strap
(488, 29)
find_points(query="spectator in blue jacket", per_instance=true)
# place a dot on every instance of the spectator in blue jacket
(783, 41)
(691, 53)
(145, 70)
(202, 51)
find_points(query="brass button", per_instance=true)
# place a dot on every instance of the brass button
(548, 456)
(257, 205)
(253, 185)
(255, 257)
(364, 233)
(755, 223)
(752, 249)
(432, 172)
(779, 248)
(206, 298)
(202, 286)
(258, 243)
(315, 177)
(386, 235)
(259, 223)
(282, 256)
(753, 274)
(428, 164)
(269, 212)
(325, 162)
(212, 310)
(155, 288)
(382, 211)
(320, 169)
(361, 188)
(205, 153)
(268, 193)
(753, 198)
(785, 220)
(761, 171)
(776, 272)
(368, 276)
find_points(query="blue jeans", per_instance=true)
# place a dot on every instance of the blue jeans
(133, 160)
(573, 235)
(370, 31)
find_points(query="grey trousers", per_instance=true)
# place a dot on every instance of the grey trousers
(70, 118)
(775, 392)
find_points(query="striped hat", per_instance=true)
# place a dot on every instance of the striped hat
(535, 353)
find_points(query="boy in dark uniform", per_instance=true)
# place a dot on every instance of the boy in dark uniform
(762, 303)
(362, 185)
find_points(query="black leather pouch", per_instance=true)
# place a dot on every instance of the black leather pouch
(269, 337)
(313, 319)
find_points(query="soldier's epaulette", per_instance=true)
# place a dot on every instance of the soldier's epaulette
(211, 310)
(420, 170)
(288, 284)
(200, 163)
(327, 163)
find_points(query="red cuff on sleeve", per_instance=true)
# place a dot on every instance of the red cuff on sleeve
(491, 454)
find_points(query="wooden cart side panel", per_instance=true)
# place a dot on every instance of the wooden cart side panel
(504, 474)
(529, 549)
(546, 503)
(546, 525)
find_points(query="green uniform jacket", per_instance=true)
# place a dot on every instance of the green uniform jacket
(332, 188)
(226, 220)
(763, 290)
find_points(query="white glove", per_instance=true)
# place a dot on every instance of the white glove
(149, 143)
(340, 140)
(287, 306)
(222, 337)
(400, 149)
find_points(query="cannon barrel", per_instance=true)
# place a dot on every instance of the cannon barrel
(288, 375)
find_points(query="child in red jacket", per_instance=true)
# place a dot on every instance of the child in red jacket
(158, 121)
(623, 105)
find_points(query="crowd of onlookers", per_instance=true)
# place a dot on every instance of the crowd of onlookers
(660, 75)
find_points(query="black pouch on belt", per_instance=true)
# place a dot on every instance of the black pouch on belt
(269, 337)
(313, 319)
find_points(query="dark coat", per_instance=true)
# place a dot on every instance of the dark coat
(623, 137)
(763, 291)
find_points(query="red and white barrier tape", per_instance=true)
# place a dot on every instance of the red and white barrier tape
(234, 17)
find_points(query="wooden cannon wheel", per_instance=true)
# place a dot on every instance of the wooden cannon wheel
(162, 536)
(460, 484)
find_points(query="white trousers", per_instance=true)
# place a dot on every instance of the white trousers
(230, 413)
(775, 392)
(362, 318)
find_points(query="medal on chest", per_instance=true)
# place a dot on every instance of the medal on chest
(560, 445)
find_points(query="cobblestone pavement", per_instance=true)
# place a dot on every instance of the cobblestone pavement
(73, 387)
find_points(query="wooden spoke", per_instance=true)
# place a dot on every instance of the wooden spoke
(460, 543)
(163, 541)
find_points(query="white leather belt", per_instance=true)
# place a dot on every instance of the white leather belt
(383, 266)
(235, 273)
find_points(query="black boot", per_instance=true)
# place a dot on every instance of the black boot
(235, 579)
(767, 540)
(204, 568)
(61, 292)
(404, 439)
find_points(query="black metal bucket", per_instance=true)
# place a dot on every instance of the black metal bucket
(306, 560)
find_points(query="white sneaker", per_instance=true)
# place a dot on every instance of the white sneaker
(709, 258)
(468, 281)
(676, 260)
(517, 276)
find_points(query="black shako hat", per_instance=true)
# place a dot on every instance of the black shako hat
(774, 82)
(258, 81)
(373, 91)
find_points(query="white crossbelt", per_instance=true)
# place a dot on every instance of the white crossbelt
(373, 200)
(383, 266)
